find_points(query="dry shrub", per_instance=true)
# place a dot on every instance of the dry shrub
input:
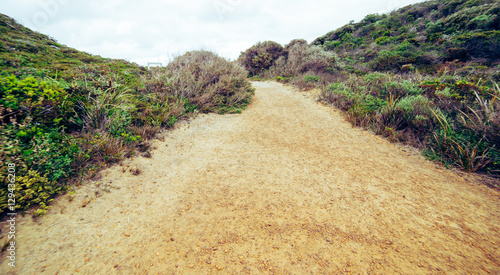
(260, 56)
(156, 81)
(303, 58)
(304, 66)
(210, 82)
(100, 147)
(147, 132)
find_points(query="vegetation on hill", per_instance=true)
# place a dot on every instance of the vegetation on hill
(65, 114)
(425, 75)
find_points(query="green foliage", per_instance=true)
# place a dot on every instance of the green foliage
(108, 109)
(312, 78)
(28, 99)
(382, 40)
(481, 21)
(386, 60)
(480, 44)
(432, 114)
(457, 90)
(371, 104)
(464, 146)
(43, 159)
(434, 27)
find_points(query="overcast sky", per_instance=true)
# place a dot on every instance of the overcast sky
(154, 31)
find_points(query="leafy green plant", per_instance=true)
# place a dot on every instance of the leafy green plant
(43, 158)
(312, 78)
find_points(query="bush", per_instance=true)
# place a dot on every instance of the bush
(472, 143)
(106, 110)
(302, 58)
(44, 159)
(481, 44)
(386, 60)
(260, 57)
(210, 82)
(311, 78)
(29, 99)
(340, 95)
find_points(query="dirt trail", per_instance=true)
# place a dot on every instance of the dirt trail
(286, 187)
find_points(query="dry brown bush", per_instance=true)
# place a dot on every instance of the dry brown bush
(260, 57)
(210, 82)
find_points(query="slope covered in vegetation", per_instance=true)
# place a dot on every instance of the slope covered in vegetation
(425, 75)
(65, 114)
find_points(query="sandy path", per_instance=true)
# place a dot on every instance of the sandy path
(287, 187)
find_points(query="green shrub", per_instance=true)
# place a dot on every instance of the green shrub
(382, 40)
(386, 60)
(376, 78)
(407, 104)
(372, 104)
(481, 44)
(37, 101)
(107, 110)
(44, 159)
(312, 78)
(339, 95)
(331, 45)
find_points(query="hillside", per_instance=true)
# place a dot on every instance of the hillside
(23, 51)
(425, 75)
(426, 35)
(66, 114)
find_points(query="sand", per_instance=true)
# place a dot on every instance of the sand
(286, 187)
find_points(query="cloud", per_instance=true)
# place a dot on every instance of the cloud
(155, 30)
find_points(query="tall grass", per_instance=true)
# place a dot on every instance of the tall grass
(102, 108)
(472, 143)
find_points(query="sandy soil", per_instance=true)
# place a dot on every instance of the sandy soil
(286, 187)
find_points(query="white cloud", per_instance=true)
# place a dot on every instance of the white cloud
(155, 30)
